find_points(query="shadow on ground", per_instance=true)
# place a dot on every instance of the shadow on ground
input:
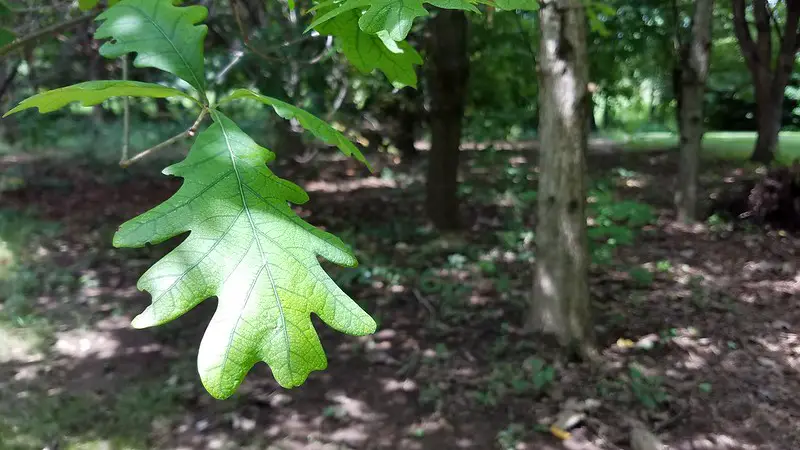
(697, 326)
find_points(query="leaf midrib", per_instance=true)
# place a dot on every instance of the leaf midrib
(264, 262)
(199, 85)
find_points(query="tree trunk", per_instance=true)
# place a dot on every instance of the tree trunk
(447, 79)
(8, 126)
(768, 125)
(406, 136)
(770, 76)
(591, 125)
(408, 117)
(694, 73)
(561, 293)
(289, 141)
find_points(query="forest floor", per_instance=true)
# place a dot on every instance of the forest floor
(697, 326)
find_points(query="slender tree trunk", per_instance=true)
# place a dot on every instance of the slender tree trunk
(447, 78)
(406, 136)
(289, 141)
(8, 126)
(770, 75)
(694, 73)
(408, 117)
(561, 294)
(94, 68)
(591, 125)
(678, 60)
(9, 78)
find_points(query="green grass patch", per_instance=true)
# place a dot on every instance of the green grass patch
(718, 144)
(122, 419)
(25, 270)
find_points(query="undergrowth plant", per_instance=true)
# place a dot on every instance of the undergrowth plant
(246, 246)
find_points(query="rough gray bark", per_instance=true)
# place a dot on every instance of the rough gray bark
(448, 67)
(561, 294)
(770, 77)
(694, 63)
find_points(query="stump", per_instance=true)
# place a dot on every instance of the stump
(773, 200)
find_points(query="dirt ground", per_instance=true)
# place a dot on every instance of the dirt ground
(699, 343)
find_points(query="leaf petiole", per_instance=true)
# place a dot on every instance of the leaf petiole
(182, 135)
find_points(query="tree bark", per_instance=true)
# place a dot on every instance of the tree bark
(447, 79)
(694, 74)
(406, 137)
(407, 118)
(561, 303)
(768, 125)
(770, 76)
(9, 79)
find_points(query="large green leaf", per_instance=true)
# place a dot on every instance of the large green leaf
(395, 17)
(248, 248)
(368, 52)
(164, 36)
(95, 92)
(522, 5)
(86, 5)
(310, 122)
(5, 10)
(330, 9)
(6, 36)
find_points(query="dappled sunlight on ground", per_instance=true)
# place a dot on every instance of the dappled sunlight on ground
(697, 326)
(350, 185)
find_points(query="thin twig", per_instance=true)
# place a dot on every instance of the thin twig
(323, 53)
(53, 29)
(775, 24)
(307, 156)
(672, 420)
(424, 302)
(264, 55)
(338, 101)
(596, 425)
(126, 115)
(237, 56)
(528, 40)
(183, 135)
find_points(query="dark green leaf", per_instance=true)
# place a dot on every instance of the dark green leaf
(522, 5)
(92, 93)
(368, 52)
(5, 10)
(394, 17)
(6, 36)
(308, 121)
(164, 36)
(86, 5)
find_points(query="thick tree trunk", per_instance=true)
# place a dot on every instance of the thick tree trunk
(693, 73)
(447, 79)
(561, 294)
(768, 124)
(770, 76)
